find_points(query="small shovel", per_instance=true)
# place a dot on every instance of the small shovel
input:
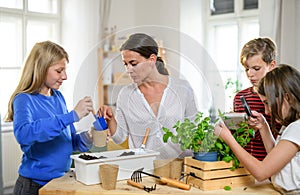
(145, 139)
(141, 149)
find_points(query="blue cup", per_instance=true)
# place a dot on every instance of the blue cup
(100, 124)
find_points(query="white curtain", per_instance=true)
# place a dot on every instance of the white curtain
(280, 20)
(104, 12)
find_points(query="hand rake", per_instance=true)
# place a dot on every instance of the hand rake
(137, 177)
(138, 185)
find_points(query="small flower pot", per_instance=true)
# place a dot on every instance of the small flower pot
(206, 156)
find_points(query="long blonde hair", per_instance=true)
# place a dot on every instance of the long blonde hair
(42, 56)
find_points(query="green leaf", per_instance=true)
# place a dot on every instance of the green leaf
(240, 130)
(174, 139)
(251, 132)
(227, 188)
(166, 136)
(227, 158)
(227, 149)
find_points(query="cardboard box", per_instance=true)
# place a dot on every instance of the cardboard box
(87, 171)
(215, 175)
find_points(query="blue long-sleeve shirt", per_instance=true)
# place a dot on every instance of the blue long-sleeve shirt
(44, 129)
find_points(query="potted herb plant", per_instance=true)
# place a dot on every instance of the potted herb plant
(198, 136)
(240, 130)
(195, 135)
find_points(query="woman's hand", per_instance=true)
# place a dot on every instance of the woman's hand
(84, 107)
(108, 115)
(106, 112)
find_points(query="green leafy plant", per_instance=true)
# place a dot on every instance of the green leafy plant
(232, 86)
(198, 136)
(242, 133)
(195, 135)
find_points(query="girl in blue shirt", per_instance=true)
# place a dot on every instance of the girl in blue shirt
(43, 126)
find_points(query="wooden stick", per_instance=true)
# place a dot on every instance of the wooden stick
(146, 136)
(94, 112)
(138, 185)
(175, 183)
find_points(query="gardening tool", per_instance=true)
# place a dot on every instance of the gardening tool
(138, 185)
(137, 177)
(145, 139)
(141, 149)
(100, 123)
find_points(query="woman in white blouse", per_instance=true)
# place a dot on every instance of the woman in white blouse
(154, 99)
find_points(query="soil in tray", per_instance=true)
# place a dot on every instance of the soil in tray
(127, 153)
(91, 157)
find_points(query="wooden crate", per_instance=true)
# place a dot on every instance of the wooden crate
(215, 175)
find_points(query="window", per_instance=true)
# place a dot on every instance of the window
(231, 24)
(218, 7)
(22, 24)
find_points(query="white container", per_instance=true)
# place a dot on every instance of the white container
(87, 171)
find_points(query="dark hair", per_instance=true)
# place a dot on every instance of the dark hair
(280, 82)
(145, 45)
(264, 46)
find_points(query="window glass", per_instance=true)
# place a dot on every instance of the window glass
(17, 4)
(221, 6)
(228, 41)
(38, 31)
(226, 47)
(43, 6)
(11, 41)
(250, 4)
(250, 29)
(23, 29)
(227, 35)
(12, 77)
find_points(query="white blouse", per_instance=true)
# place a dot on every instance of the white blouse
(134, 115)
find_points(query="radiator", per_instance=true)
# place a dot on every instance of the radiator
(11, 158)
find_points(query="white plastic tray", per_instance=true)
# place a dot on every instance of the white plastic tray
(87, 171)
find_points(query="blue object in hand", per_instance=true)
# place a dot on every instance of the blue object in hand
(100, 123)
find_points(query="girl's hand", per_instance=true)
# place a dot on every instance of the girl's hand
(84, 107)
(258, 121)
(221, 130)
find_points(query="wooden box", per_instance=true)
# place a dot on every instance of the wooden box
(215, 175)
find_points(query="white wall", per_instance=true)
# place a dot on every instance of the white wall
(154, 17)
(179, 26)
(287, 39)
(79, 38)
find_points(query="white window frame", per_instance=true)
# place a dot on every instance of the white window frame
(24, 15)
(239, 17)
